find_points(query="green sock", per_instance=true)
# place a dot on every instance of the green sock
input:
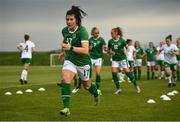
(98, 80)
(65, 92)
(174, 78)
(115, 78)
(131, 77)
(178, 74)
(93, 90)
(79, 82)
(148, 75)
(152, 77)
(139, 74)
(75, 82)
(135, 74)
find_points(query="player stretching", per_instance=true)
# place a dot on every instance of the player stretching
(26, 48)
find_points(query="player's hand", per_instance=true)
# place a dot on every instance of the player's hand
(112, 53)
(66, 47)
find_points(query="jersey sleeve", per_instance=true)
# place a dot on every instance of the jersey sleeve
(109, 44)
(175, 47)
(83, 35)
(21, 44)
(103, 42)
(32, 44)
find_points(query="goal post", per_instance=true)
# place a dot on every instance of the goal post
(54, 60)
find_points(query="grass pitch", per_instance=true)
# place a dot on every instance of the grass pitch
(46, 105)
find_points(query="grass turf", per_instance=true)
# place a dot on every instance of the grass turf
(46, 105)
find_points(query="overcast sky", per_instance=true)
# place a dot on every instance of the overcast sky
(144, 20)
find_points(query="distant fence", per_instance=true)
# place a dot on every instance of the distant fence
(39, 59)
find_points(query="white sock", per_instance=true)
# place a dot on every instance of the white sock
(24, 74)
(162, 73)
(121, 76)
(169, 78)
(156, 73)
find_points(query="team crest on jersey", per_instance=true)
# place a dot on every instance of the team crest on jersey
(73, 35)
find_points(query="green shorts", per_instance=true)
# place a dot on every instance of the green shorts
(131, 63)
(160, 62)
(173, 67)
(26, 60)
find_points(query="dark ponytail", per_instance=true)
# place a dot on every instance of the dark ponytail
(77, 12)
(169, 37)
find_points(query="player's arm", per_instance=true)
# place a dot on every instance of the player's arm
(33, 49)
(176, 52)
(82, 50)
(143, 54)
(19, 47)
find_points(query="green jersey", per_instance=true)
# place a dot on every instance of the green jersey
(118, 46)
(178, 56)
(97, 47)
(151, 52)
(139, 53)
(75, 39)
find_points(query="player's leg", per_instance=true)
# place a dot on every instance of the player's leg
(114, 69)
(132, 78)
(152, 70)
(84, 73)
(139, 64)
(135, 72)
(24, 72)
(173, 69)
(178, 72)
(68, 73)
(156, 70)
(98, 65)
(148, 70)
(168, 74)
(131, 64)
(77, 84)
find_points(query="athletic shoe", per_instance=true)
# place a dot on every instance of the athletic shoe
(174, 84)
(65, 112)
(169, 84)
(99, 92)
(21, 81)
(138, 90)
(25, 82)
(117, 91)
(75, 90)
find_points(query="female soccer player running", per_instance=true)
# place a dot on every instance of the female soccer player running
(26, 48)
(160, 61)
(97, 45)
(117, 48)
(138, 63)
(170, 61)
(77, 60)
(178, 58)
(150, 53)
(131, 55)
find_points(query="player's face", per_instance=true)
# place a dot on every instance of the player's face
(150, 44)
(71, 21)
(178, 42)
(95, 34)
(168, 41)
(114, 34)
